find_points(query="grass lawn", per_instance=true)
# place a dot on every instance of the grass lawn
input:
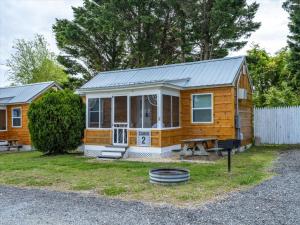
(129, 180)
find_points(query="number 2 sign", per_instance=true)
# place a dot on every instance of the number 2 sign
(143, 138)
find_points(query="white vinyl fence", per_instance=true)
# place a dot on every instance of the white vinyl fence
(279, 125)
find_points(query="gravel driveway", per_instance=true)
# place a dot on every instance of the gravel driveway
(276, 201)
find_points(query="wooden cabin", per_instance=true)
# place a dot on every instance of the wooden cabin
(14, 105)
(149, 111)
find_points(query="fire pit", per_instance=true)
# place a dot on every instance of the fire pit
(169, 176)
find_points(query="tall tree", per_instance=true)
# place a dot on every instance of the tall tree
(293, 8)
(271, 78)
(33, 62)
(114, 34)
(220, 26)
(93, 41)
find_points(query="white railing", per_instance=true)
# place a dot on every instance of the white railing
(279, 125)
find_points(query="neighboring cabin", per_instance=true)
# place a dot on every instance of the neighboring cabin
(148, 111)
(14, 105)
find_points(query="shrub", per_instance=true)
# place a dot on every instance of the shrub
(57, 122)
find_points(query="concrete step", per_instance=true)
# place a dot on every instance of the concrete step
(111, 155)
(115, 148)
(112, 152)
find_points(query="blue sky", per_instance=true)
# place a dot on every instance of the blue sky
(24, 18)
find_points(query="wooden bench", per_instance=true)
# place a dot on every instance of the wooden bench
(216, 150)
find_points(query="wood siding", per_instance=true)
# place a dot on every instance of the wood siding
(246, 111)
(222, 126)
(20, 133)
(98, 137)
(159, 138)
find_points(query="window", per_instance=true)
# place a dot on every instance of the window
(16, 117)
(143, 111)
(170, 111)
(93, 112)
(2, 119)
(99, 112)
(202, 108)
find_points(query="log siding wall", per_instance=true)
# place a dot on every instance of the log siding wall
(20, 133)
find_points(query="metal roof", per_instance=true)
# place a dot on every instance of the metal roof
(23, 94)
(194, 74)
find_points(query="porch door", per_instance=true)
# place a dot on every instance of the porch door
(120, 120)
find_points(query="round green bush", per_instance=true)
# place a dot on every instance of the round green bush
(57, 122)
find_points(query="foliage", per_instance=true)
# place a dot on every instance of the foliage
(56, 122)
(293, 8)
(129, 180)
(114, 34)
(271, 78)
(33, 62)
(281, 96)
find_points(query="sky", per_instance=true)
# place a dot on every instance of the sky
(24, 18)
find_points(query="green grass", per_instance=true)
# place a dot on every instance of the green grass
(129, 180)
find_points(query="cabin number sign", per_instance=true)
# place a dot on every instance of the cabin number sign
(144, 138)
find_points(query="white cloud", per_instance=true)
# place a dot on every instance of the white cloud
(272, 35)
(24, 18)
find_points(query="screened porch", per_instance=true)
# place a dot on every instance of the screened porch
(120, 113)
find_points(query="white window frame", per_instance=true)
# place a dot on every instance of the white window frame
(100, 114)
(143, 105)
(137, 92)
(211, 107)
(88, 114)
(12, 117)
(5, 119)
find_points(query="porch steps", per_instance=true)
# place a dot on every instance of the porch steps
(113, 152)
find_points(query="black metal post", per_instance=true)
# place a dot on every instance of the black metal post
(229, 160)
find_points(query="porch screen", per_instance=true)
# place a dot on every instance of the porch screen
(136, 106)
(150, 111)
(105, 115)
(170, 111)
(143, 111)
(2, 119)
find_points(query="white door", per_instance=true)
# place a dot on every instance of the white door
(120, 123)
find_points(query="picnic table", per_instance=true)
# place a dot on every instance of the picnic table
(198, 143)
(13, 143)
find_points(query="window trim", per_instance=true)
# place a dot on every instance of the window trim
(211, 107)
(12, 117)
(6, 123)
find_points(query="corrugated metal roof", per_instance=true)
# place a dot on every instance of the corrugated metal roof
(22, 94)
(201, 73)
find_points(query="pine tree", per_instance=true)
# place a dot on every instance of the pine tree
(293, 8)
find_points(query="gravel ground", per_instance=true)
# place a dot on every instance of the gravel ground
(276, 201)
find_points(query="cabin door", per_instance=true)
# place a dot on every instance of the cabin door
(120, 120)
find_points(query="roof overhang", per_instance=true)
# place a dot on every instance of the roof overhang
(83, 91)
